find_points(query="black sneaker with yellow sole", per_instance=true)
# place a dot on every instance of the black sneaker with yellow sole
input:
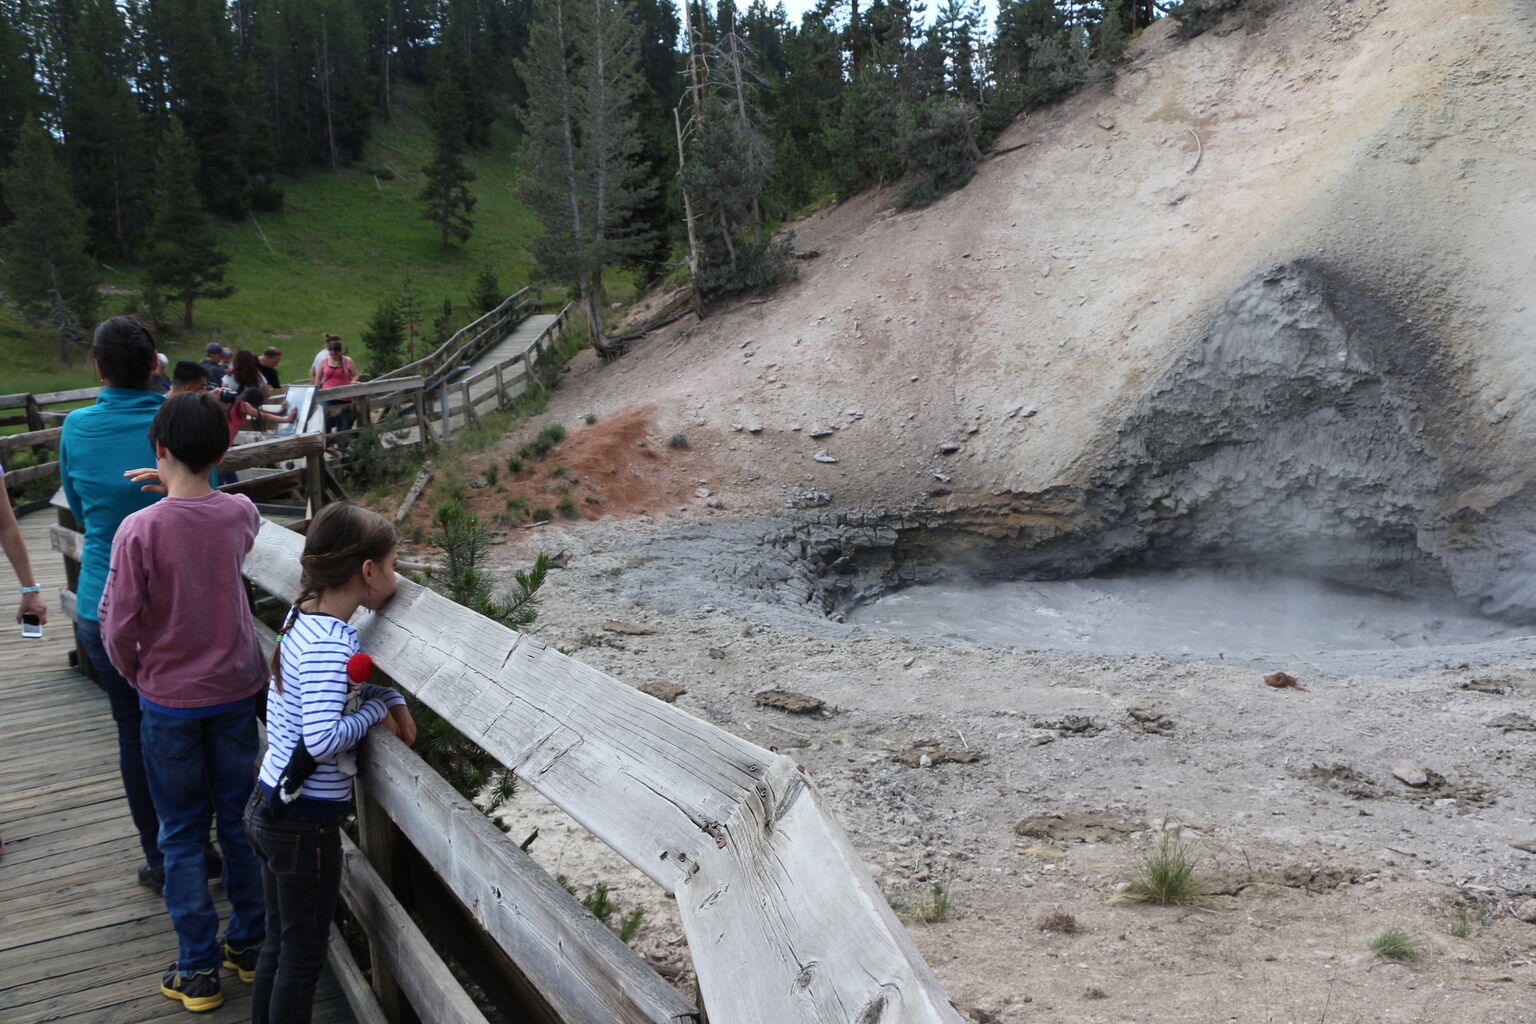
(198, 992)
(242, 961)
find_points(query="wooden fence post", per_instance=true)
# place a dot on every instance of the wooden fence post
(378, 837)
(421, 419)
(501, 389)
(314, 481)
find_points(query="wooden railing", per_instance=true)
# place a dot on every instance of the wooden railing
(469, 341)
(421, 398)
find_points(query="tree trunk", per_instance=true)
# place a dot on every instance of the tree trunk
(693, 238)
(186, 311)
(592, 299)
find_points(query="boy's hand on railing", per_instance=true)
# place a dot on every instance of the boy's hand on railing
(149, 476)
(400, 722)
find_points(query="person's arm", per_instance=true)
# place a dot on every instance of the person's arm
(351, 371)
(16, 552)
(323, 683)
(122, 601)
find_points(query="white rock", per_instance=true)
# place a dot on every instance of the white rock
(1410, 773)
(702, 492)
(1527, 911)
(824, 456)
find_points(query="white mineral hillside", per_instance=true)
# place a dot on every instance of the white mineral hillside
(1268, 295)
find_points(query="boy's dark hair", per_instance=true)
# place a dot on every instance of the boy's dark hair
(125, 348)
(193, 427)
(187, 371)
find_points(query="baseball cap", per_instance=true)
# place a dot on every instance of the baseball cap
(214, 349)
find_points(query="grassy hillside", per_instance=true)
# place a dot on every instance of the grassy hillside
(342, 241)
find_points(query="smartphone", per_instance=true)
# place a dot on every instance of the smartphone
(32, 627)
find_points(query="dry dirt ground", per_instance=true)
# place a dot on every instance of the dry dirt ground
(1081, 255)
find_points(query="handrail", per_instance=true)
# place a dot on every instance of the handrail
(437, 358)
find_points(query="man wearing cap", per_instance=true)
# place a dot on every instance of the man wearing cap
(212, 363)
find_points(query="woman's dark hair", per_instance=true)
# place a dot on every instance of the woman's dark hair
(252, 397)
(340, 539)
(246, 370)
(335, 346)
(191, 425)
(125, 348)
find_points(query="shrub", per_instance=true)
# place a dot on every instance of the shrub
(1169, 873)
(591, 418)
(1397, 944)
(1197, 16)
(1058, 921)
(567, 505)
(541, 513)
(677, 441)
(554, 434)
(514, 464)
(557, 470)
(491, 473)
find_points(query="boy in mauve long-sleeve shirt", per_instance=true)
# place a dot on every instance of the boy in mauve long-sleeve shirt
(178, 628)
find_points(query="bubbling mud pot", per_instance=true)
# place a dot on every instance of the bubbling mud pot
(1203, 613)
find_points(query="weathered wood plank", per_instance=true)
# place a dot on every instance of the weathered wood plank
(353, 985)
(717, 820)
(48, 438)
(29, 473)
(575, 962)
(377, 386)
(417, 486)
(267, 453)
(433, 991)
(73, 395)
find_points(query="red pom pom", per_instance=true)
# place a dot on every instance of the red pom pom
(359, 668)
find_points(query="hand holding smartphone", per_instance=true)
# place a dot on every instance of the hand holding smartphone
(32, 627)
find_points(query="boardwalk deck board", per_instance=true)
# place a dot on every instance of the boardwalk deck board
(82, 942)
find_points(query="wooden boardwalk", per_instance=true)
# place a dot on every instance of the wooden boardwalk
(504, 349)
(80, 940)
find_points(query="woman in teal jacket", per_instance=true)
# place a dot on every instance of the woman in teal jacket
(98, 444)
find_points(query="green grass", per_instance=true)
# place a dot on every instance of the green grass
(342, 242)
(1168, 874)
(1397, 944)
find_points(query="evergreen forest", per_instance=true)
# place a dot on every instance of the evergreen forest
(639, 139)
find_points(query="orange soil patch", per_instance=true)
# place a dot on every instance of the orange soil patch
(615, 461)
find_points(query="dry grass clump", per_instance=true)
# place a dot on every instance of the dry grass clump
(1169, 874)
(1058, 921)
(1397, 944)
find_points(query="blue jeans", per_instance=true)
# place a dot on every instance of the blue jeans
(201, 769)
(130, 752)
(301, 873)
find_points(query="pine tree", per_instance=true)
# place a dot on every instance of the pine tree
(183, 257)
(384, 337)
(487, 292)
(442, 324)
(583, 179)
(445, 197)
(45, 270)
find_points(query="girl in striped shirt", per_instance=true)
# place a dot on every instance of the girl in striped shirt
(348, 563)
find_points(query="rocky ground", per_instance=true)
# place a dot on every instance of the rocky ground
(1000, 345)
(1027, 783)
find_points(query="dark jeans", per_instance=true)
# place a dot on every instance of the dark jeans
(301, 873)
(130, 752)
(201, 771)
(338, 415)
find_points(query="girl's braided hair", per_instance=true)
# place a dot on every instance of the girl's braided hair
(340, 539)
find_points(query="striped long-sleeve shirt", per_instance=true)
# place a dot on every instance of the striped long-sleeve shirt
(312, 705)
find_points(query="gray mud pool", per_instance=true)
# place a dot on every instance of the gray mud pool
(1193, 613)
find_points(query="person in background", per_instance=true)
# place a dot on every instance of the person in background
(15, 549)
(246, 413)
(245, 372)
(198, 701)
(97, 445)
(268, 361)
(337, 371)
(160, 381)
(213, 363)
(188, 376)
(322, 355)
